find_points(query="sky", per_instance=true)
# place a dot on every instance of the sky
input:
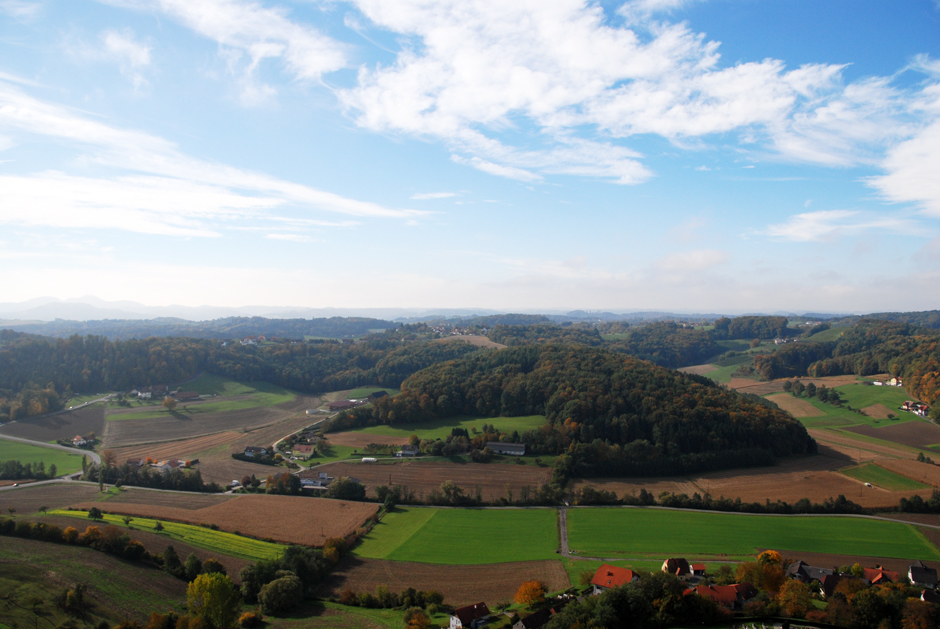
(534, 155)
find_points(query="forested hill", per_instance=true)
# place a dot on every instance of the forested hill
(228, 328)
(871, 347)
(614, 414)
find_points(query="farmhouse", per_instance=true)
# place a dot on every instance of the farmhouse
(254, 451)
(806, 573)
(512, 449)
(135, 462)
(541, 617)
(186, 396)
(878, 576)
(608, 577)
(78, 441)
(408, 451)
(698, 570)
(303, 449)
(679, 567)
(922, 576)
(343, 404)
(375, 395)
(472, 616)
(930, 596)
(728, 596)
(828, 584)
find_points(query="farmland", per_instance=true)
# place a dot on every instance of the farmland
(440, 429)
(876, 475)
(198, 536)
(65, 462)
(463, 536)
(913, 434)
(30, 498)
(660, 533)
(57, 426)
(257, 516)
(422, 477)
(460, 584)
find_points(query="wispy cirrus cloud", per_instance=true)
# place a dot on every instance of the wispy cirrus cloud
(131, 55)
(427, 196)
(827, 225)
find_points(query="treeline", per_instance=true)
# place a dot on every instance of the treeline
(608, 410)
(176, 480)
(871, 347)
(227, 328)
(925, 319)
(750, 327)
(28, 402)
(581, 333)
(14, 470)
(667, 344)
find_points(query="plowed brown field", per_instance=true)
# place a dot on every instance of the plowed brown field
(916, 434)
(422, 478)
(848, 444)
(59, 426)
(174, 499)
(287, 519)
(183, 449)
(794, 405)
(773, 386)
(460, 585)
(878, 411)
(700, 370)
(475, 340)
(923, 472)
(53, 495)
(812, 477)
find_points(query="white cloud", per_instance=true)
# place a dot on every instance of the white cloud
(250, 33)
(828, 225)
(426, 196)
(20, 9)
(130, 55)
(913, 168)
(159, 178)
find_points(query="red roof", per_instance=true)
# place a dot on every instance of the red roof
(608, 576)
(698, 567)
(468, 614)
(727, 595)
(303, 449)
(877, 575)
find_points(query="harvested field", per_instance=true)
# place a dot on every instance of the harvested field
(422, 478)
(311, 521)
(879, 411)
(699, 370)
(223, 470)
(915, 434)
(813, 477)
(64, 425)
(460, 585)
(847, 443)
(473, 339)
(53, 495)
(127, 432)
(923, 472)
(155, 543)
(172, 499)
(356, 439)
(797, 407)
(745, 385)
(183, 449)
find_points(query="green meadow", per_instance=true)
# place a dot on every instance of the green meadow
(440, 429)
(638, 533)
(361, 392)
(65, 462)
(463, 536)
(198, 536)
(880, 477)
(229, 396)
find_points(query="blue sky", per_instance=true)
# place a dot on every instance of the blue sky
(689, 155)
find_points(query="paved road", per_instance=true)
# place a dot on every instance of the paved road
(93, 456)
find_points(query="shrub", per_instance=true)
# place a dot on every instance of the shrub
(248, 620)
(281, 595)
(70, 535)
(348, 597)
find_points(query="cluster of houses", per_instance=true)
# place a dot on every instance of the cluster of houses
(918, 408)
(166, 465)
(163, 391)
(890, 382)
(444, 330)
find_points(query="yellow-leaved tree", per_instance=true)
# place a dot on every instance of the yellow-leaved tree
(530, 592)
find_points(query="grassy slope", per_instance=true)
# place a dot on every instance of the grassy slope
(859, 396)
(639, 532)
(879, 476)
(65, 462)
(198, 536)
(831, 334)
(465, 536)
(362, 392)
(260, 394)
(441, 428)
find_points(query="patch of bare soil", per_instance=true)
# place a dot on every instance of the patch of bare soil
(795, 406)
(355, 439)
(173, 499)
(838, 440)
(915, 434)
(923, 472)
(53, 495)
(460, 585)
(223, 470)
(879, 411)
(423, 478)
(475, 340)
(699, 370)
(758, 387)
(63, 425)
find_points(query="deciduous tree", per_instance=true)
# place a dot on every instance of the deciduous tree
(214, 598)
(530, 592)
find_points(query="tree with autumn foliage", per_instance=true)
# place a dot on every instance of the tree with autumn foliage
(794, 598)
(416, 618)
(530, 592)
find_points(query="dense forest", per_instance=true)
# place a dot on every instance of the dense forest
(751, 327)
(228, 328)
(667, 344)
(872, 346)
(545, 333)
(612, 414)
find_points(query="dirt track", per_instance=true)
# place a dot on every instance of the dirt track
(460, 585)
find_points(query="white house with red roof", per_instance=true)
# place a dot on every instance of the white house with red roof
(608, 577)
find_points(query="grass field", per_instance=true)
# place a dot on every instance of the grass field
(439, 429)
(65, 462)
(637, 533)
(361, 392)
(231, 396)
(859, 396)
(328, 453)
(198, 536)
(723, 374)
(463, 536)
(880, 477)
(831, 334)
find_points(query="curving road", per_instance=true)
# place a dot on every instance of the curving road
(93, 456)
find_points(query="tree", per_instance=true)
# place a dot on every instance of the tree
(12, 511)
(811, 390)
(192, 567)
(755, 343)
(212, 565)
(344, 488)
(769, 557)
(214, 599)
(414, 440)
(158, 526)
(169, 404)
(530, 592)
(794, 598)
(172, 563)
(798, 388)
(281, 595)
(43, 509)
(108, 458)
(787, 386)
(416, 618)
(95, 514)
(127, 520)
